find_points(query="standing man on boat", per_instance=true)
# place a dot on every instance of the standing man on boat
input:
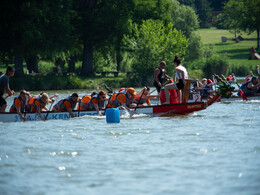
(4, 87)
(97, 102)
(67, 105)
(19, 104)
(159, 75)
(180, 75)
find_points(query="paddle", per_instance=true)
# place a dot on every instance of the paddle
(241, 92)
(152, 91)
(46, 116)
(140, 98)
(7, 96)
(108, 102)
(79, 107)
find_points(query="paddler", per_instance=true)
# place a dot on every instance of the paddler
(40, 104)
(19, 104)
(180, 75)
(251, 87)
(85, 100)
(145, 97)
(159, 76)
(97, 102)
(4, 87)
(67, 105)
(125, 99)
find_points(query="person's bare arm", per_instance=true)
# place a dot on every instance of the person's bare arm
(9, 91)
(156, 73)
(18, 110)
(71, 113)
(39, 112)
(97, 109)
(253, 87)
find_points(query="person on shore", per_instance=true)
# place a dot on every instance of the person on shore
(97, 102)
(145, 97)
(159, 76)
(19, 104)
(4, 87)
(125, 99)
(84, 101)
(180, 75)
(251, 87)
(40, 104)
(67, 105)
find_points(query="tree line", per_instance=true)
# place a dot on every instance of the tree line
(102, 33)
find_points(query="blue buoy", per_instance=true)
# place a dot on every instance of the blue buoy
(112, 115)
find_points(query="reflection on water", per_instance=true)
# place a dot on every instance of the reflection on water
(214, 151)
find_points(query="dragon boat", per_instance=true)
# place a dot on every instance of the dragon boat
(155, 110)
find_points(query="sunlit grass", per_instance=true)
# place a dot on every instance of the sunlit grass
(237, 53)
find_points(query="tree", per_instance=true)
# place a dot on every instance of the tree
(242, 15)
(184, 18)
(97, 22)
(202, 8)
(29, 28)
(150, 43)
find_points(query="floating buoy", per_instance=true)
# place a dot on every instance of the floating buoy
(112, 115)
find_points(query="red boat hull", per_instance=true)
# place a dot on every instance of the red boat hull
(185, 108)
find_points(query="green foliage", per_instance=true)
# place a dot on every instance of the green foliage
(202, 8)
(184, 18)
(242, 15)
(195, 49)
(150, 43)
(215, 65)
(236, 53)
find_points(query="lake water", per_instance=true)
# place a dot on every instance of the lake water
(214, 151)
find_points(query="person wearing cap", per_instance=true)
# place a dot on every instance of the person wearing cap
(4, 87)
(159, 75)
(19, 104)
(251, 87)
(125, 99)
(67, 105)
(97, 102)
(207, 88)
(40, 103)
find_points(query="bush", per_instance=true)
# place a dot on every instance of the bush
(215, 65)
(151, 43)
(195, 49)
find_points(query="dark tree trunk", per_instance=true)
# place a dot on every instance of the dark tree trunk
(32, 63)
(71, 65)
(87, 63)
(258, 38)
(118, 59)
(18, 62)
(59, 63)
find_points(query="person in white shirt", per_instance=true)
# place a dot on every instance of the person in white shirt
(180, 76)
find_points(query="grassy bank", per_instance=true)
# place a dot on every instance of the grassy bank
(237, 53)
